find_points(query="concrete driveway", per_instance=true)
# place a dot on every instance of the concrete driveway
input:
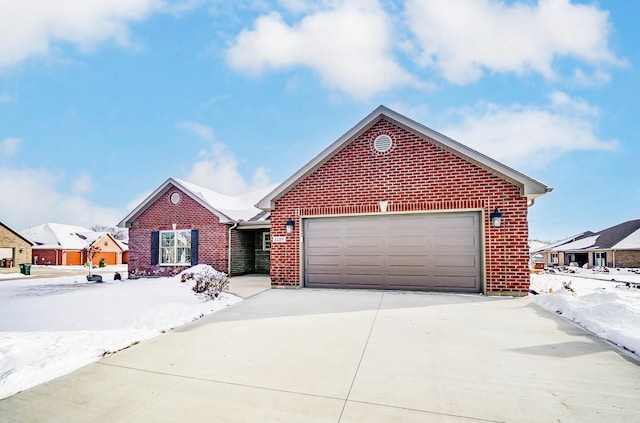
(353, 356)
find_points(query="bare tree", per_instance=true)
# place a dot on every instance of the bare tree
(91, 251)
(118, 233)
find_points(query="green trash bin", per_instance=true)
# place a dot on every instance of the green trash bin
(25, 269)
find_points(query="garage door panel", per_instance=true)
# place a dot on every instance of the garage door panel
(358, 280)
(325, 278)
(455, 241)
(363, 260)
(324, 260)
(456, 222)
(406, 241)
(407, 260)
(323, 242)
(423, 251)
(363, 241)
(456, 261)
(465, 283)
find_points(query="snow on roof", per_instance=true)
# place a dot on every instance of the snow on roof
(631, 242)
(579, 244)
(624, 236)
(58, 235)
(239, 207)
(535, 245)
(228, 208)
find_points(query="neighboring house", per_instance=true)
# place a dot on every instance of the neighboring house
(124, 245)
(617, 246)
(15, 248)
(66, 245)
(393, 204)
(182, 224)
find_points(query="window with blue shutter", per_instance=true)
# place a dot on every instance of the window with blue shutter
(194, 247)
(155, 247)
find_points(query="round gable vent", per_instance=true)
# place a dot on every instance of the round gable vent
(382, 143)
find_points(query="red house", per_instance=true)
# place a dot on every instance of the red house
(182, 224)
(391, 204)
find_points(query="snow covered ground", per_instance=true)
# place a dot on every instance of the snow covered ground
(601, 302)
(50, 327)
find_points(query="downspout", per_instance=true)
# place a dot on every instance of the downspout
(232, 227)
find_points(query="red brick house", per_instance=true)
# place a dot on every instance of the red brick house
(182, 224)
(393, 204)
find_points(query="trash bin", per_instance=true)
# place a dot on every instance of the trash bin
(7, 263)
(25, 269)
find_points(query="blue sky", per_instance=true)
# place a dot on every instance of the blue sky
(101, 101)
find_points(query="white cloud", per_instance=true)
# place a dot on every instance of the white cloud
(33, 196)
(38, 27)
(463, 39)
(217, 169)
(531, 136)
(348, 44)
(82, 184)
(201, 131)
(9, 147)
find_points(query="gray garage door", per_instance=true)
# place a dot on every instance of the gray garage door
(429, 252)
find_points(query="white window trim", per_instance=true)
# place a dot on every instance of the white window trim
(175, 248)
(266, 239)
(554, 258)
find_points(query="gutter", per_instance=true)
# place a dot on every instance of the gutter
(235, 225)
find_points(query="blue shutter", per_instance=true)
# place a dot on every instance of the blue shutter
(194, 247)
(155, 247)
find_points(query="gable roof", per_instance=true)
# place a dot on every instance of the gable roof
(15, 232)
(529, 187)
(624, 236)
(229, 209)
(60, 236)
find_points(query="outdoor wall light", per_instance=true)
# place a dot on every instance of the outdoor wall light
(496, 218)
(289, 226)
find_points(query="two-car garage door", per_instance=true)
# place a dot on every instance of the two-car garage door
(430, 252)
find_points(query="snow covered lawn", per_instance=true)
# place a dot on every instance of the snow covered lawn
(50, 327)
(602, 302)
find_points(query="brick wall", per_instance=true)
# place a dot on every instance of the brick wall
(627, 258)
(414, 175)
(48, 257)
(187, 214)
(242, 252)
(8, 239)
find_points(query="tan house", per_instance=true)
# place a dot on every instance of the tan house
(15, 249)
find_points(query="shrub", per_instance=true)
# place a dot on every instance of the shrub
(103, 262)
(208, 282)
(568, 287)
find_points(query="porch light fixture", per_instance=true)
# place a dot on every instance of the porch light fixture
(289, 226)
(496, 218)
